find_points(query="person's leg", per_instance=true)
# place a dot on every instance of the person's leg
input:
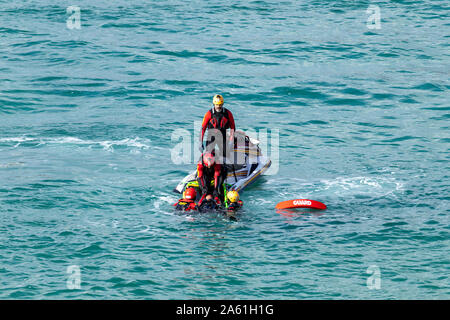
(221, 181)
(213, 138)
(210, 190)
(210, 143)
(217, 138)
(223, 151)
(202, 186)
(199, 194)
(206, 189)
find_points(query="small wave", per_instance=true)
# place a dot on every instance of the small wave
(11, 164)
(354, 91)
(345, 102)
(403, 138)
(429, 87)
(16, 139)
(350, 188)
(68, 140)
(109, 145)
(345, 186)
(300, 92)
(136, 142)
(164, 200)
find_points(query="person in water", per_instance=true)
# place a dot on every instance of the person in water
(207, 171)
(187, 203)
(234, 203)
(217, 121)
(208, 204)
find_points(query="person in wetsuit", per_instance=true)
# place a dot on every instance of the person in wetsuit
(217, 121)
(187, 203)
(234, 203)
(208, 170)
(208, 204)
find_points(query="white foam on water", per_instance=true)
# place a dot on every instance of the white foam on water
(115, 224)
(12, 164)
(64, 140)
(361, 185)
(164, 200)
(261, 201)
(16, 139)
(136, 142)
(340, 186)
(146, 230)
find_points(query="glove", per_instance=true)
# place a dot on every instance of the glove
(217, 200)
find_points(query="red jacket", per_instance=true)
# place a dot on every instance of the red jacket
(185, 205)
(217, 120)
(204, 172)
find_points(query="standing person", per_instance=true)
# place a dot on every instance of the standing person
(217, 120)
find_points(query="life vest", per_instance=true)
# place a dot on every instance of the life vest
(219, 120)
(185, 205)
(207, 174)
(235, 206)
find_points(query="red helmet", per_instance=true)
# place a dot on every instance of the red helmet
(208, 159)
(190, 194)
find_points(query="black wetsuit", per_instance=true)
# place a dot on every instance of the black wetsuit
(208, 205)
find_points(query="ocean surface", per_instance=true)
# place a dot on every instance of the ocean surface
(90, 108)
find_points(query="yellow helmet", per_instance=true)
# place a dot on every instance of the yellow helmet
(218, 99)
(233, 196)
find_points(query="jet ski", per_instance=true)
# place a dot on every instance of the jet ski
(244, 164)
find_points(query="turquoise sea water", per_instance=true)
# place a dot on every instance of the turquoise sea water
(86, 123)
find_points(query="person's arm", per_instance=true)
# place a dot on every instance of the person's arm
(232, 125)
(205, 122)
(217, 170)
(201, 182)
(201, 201)
(217, 182)
(200, 176)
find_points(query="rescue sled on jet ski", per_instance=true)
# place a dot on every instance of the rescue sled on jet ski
(244, 163)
